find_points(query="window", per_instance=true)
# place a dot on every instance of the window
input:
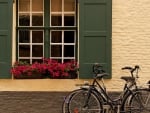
(46, 28)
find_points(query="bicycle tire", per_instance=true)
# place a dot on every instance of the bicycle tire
(65, 104)
(139, 102)
(81, 103)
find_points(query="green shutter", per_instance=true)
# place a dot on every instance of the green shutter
(5, 37)
(94, 35)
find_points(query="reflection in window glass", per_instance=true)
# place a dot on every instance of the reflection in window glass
(69, 37)
(37, 20)
(25, 60)
(37, 5)
(24, 36)
(37, 36)
(24, 5)
(68, 51)
(37, 60)
(24, 20)
(56, 21)
(24, 51)
(69, 5)
(56, 36)
(37, 50)
(69, 20)
(59, 40)
(56, 5)
(56, 51)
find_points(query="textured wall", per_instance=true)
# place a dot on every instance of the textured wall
(130, 37)
(130, 46)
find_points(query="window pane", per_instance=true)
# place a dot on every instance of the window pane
(37, 5)
(56, 5)
(37, 19)
(56, 51)
(56, 37)
(25, 60)
(32, 42)
(69, 37)
(37, 51)
(24, 20)
(24, 51)
(56, 20)
(24, 5)
(68, 60)
(37, 60)
(68, 51)
(24, 36)
(69, 5)
(69, 20)
(37, 36)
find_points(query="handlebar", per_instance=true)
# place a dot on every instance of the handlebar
(98, 69)
(132, 70)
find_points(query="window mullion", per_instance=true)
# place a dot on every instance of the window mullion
(47, 31)
(31, 46)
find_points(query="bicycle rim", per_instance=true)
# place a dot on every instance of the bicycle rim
(82, 103)
(65, 105)
(140, 102)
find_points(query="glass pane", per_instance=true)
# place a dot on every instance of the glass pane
(56, 50)
(37, 60)
(37, 36)
(24, 36)
(56, 20)
(56, 5)
(24, 5)
(68, 60)
(24, 50)
(37, 51)
(37, 5)
(68, 51)
(56, 37)
(24, 20)
(69, 37)
(69, 20)
(69, 5)
(25, 60)
(37, 19)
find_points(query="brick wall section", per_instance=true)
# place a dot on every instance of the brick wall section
(130, 38)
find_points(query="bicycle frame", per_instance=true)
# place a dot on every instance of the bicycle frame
(100, 91)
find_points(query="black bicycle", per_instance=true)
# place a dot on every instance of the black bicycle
(93, 98)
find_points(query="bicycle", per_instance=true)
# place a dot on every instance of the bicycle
(94, 98)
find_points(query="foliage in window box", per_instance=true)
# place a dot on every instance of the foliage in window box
(47, 69)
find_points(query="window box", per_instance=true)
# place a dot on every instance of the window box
(47, 69)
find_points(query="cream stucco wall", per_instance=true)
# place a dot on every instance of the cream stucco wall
(131, 37)
(130, 46)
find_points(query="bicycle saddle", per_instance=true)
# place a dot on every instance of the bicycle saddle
(101, 75)
(128, 78)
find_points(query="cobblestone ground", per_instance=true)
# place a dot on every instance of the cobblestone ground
(31, 102)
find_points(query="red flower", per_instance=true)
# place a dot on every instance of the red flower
(50, 67)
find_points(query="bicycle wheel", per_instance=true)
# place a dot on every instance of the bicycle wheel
(65, 105)
(85, 102)
(139, 102)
